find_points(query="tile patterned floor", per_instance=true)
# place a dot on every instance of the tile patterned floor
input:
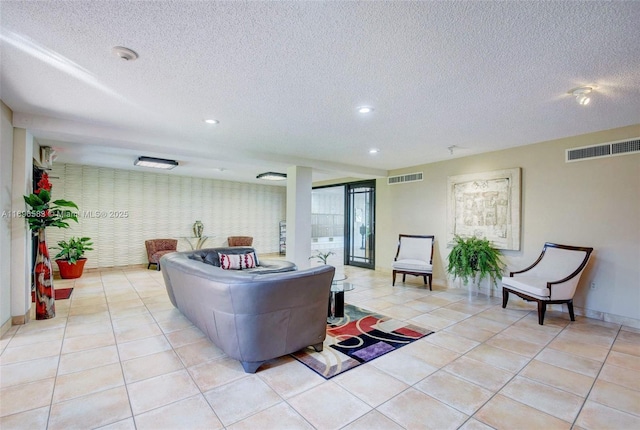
(119, 356)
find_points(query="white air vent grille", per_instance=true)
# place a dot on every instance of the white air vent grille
(403, 179)
(625, 147)
(622, 147)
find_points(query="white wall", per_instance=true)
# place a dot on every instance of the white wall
(589, 203)
(6, 158)
(146, 205)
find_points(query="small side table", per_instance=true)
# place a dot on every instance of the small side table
(195, 242)
(335, 308)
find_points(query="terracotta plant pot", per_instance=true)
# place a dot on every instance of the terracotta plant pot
(71, 271)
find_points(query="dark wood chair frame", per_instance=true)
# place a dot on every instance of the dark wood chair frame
(542, 304)
(428, 277)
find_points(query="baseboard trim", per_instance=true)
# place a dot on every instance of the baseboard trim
(20, 319)
(5, 327)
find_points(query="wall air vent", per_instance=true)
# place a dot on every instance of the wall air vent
(622, 147)
(403, 179)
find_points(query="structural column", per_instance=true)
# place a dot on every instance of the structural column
(20, 234)
(299, 187)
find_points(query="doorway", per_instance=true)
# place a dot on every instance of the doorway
(360, 224)
(343, 222)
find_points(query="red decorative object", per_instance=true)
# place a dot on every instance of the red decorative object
(70, 270)
(43, 212)
(60, 293)
(43, 278)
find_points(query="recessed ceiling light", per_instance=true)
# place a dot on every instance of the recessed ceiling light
(374, 151)
(212, 121)
(272, 176)
(124, 53)
(365, 109)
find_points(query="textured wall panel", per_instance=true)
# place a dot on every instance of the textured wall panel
(120, 209)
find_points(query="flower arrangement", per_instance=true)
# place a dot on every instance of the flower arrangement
(44, 212)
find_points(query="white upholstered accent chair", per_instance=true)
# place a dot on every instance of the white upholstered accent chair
(551, 279)
(414, 257)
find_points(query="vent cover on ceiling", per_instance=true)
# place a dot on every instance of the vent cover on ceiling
(403, 179)
(621, 147)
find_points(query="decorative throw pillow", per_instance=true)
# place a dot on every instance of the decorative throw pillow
(238, 261)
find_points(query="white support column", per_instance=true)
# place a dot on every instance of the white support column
(299, 187)
(20, 234)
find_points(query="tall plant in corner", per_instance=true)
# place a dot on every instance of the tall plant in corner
(43, 213)
(474, 259)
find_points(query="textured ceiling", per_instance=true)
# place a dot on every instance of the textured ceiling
(284, 80)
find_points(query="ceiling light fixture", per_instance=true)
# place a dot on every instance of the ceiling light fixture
(365, 109)
(212, 121)
(451, 148)
(272, 176)
(124, 53)
(582, 95)
(373, 151)
(157, 163)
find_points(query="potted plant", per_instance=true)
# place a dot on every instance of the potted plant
(322, 256)
(71, 259)
(475, 259)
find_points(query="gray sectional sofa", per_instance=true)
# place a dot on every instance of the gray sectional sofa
(253, 315)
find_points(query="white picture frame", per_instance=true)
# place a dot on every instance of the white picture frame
(485, 205)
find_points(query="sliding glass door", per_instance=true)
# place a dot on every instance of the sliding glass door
(343, 222)
(360, 239)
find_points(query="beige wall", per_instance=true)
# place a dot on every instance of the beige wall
(137, 205)
(6, 159)
(589, 203)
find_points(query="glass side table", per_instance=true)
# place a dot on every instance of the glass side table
(195, 242)
(335, 308)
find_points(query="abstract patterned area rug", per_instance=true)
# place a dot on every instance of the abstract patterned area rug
(360, 336)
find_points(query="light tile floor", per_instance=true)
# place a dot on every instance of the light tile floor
(119, 356)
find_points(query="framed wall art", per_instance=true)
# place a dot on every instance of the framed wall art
(485, 205)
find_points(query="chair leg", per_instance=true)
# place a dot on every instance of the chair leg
(505, 297)
(404, 277)
(394, 279)
(542, 308)
(430, 278)
(158, 267)
(570, 306)
(149, 266)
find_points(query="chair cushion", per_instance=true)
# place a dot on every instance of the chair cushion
(528, 285)
(415, 248)
(412, 265)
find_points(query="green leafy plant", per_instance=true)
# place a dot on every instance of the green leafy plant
(322, 256)
(472, 256)
(44, 212)
(73, 249)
